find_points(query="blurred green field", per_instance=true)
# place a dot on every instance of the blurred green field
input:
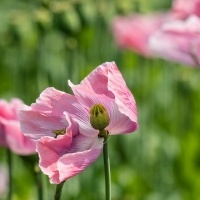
(46, 42)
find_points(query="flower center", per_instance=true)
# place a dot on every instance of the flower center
(59, 132)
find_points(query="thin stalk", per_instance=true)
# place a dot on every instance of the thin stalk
(107, 169)
(58, 192)
(40, 185)
(9, 156)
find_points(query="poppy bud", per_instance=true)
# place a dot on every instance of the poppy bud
(99, 118)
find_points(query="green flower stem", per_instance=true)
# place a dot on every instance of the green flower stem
(9, 155)
(40, 184)
(107, 168)
(58, 192)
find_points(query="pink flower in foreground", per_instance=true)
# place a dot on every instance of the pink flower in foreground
(10, 132)
(78, 145)
(133, 32)
(184, 8)
(178, 41)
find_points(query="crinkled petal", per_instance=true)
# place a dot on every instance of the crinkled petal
(48, 158)
(111, 89)
(96, 82)
(82, 143)
(53, 102)
(119, 122)
(16, 141)
(36, 124)
(50, 150)
(72, 164)
(81, 153)
(123, 97)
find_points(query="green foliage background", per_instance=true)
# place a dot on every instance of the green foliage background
(46, 42)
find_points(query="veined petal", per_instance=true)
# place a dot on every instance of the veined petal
(82, 143)
(50, 150)
(96, 82)
(48, 159)
(119, 122)
(16, 141)
(35, 124)
(123, 97)
(53, 102)
(74, 163)
(107, 81)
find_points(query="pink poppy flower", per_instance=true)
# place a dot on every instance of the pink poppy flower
(178, 41)
(133, 32)
(184, 8)
(10, 132)
(78, 145)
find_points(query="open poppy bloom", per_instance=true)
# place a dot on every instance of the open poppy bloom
(178, 41)
(60, 122)
(10, 132)
(133, 32)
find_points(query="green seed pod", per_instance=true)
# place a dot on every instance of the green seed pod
(99, 118)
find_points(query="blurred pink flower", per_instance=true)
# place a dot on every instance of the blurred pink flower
(133, 32)
(184, 8)
(10, 132)
(178, 41)
(69, 154)
(4, 180)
